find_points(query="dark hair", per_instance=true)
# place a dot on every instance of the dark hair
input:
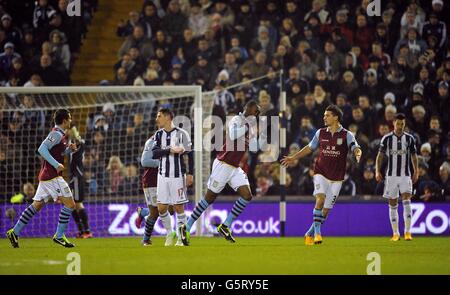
(166, 111)
(251, 103)
(400, 116)
(60, 115)
(335, 110)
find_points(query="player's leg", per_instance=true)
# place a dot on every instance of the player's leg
(245, 197)
(63, 222)
(149, 225)
(220, 174)
(318, 217)
(84, 220)
(150, 199)
(181, 220)
(321, 186)
(61, 191)
(391, 191)
(407, 213)
(42, 194)
(79, 214)
(201, 206)
(210, 197)
(330, 199)
(77, 219)
(164, 200)
(239, 182)
(14, 233)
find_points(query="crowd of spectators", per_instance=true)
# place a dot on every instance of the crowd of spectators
(39, 41)
(331, 52)
(38, 44)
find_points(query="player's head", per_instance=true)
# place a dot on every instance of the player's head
(252, 108)
(333, 115)
(164, 117)
(399, 122)
(63, 118)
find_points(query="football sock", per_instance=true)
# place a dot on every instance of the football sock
(144, 212)
(318, 219)
(407, 215)
(199, 209)
(77, 219)
(167, 223)
(84, 220)
(64, 217)
(310, 231)
(393, 216)
(181, 219)
(237, 209)
(149, 224)
(24, 219)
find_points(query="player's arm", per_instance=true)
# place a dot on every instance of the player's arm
(44, 149)
(147, 160)
(415, 160)
(235, 130)
(305, 151)
(380, 158)
(354, 146)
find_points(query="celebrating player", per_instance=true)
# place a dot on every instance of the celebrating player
(226, 170)
(333, 142)
(51, 182)
(171, 143)
(400, 148)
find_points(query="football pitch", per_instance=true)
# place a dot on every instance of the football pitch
(337, 255)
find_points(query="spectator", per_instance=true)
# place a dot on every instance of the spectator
(12, 33)
(306, 132)
(59, 48)
(444, 179)
(138, 40)
(256, 67)
(364, 34)
(34, 120)
(369, 183)
(51, 75)
(201, 73)
(26, 195)
(116, 175)
(262, 42)
(435, 27)
(125, 29)
(19, 71)
(175, 21)
(308, 69)
(418, 123)
(198, 22)
(331, 60)
(6, 59)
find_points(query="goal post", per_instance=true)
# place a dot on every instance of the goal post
(131, 106)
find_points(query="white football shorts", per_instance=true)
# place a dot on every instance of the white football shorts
(223, 173)
(394, 186)
(54, 188)
(171, 190)
(327, 187)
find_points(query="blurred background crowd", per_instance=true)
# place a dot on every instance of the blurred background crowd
(331, 52)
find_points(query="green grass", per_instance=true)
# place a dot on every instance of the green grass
(424, 255)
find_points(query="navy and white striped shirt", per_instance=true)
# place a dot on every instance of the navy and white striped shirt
(173, 165)
(399, 150)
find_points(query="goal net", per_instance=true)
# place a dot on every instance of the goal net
(114, 123)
